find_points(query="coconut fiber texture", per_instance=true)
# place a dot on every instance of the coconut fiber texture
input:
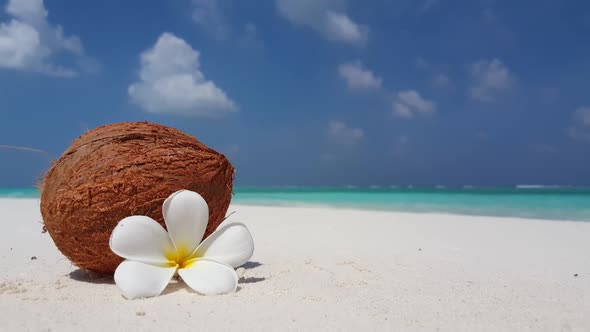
(126, 169)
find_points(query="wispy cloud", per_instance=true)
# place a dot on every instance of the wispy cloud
(488, 79)
(357, 77)
(439, 79)
(442, 81)
(421, 63)
(327, 17)
(344, 134)
(171, 81)
(28, 42)
(580, 128)
(428, 5)
(210, 17)
(410, 103)
(250, 37)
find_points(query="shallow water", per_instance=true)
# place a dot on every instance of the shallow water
(562, 203)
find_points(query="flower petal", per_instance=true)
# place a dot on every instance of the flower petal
(231, 245)
(137, 279)
(209, 277)
(186, 214)
(142, 239)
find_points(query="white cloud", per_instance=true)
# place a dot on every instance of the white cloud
(357, 77)
(172, 82)
(442, 81)
(581, 128)
(208, 15)
(28, 42)
(489, 77)
(339, 27)
(19, 45)
(32, 11)
(326, 17)
(344, 134)
(409, 103)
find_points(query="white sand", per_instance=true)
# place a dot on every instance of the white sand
(325, 269)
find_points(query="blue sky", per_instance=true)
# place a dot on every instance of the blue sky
(303, 92)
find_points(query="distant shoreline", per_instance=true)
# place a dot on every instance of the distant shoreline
(580, 212)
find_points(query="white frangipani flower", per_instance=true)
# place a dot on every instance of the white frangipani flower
(153, 256)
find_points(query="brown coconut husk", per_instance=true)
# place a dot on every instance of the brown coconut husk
(126, 169)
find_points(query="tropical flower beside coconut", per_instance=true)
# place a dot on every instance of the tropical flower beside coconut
(153, 256)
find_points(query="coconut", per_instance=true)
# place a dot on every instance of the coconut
(126, 169)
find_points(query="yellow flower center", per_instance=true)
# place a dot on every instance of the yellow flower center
(180, 257)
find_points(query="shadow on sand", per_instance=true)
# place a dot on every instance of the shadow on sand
(91, 277)
(175, 285)
(251, 265)
(251, 280)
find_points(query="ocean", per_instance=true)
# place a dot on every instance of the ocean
(560, 203)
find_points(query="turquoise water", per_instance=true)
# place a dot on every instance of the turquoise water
(19, 193)
(546, 203)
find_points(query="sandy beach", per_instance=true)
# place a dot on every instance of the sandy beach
(324, 269)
